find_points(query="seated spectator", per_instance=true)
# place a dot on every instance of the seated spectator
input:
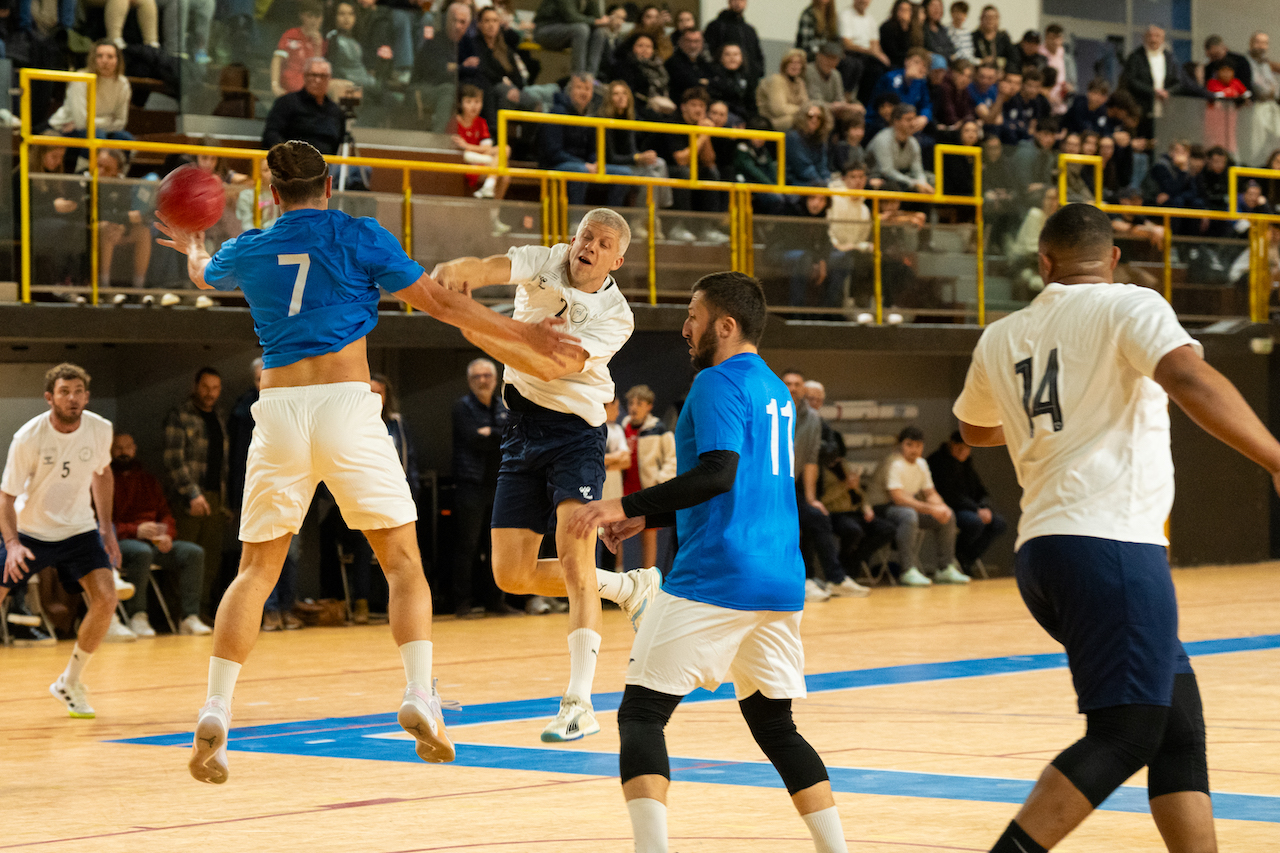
(308, 114)
(245, 202)
(647, 77)
(1024, 249)
(783, 96)
(1079, 190)
(961, 38)
(881, 113)
(1089, 111)
(614, 33)
(579, 26)
(58, 220)
(651, 24)
(902, 492)
(296, 48)
(124, 217)
(864, 61)
(807, 149)
(1212, 190)
(850, 234)
(755, 163)
(621, 148)
(1169, 184)
(955, 104)
(652, 445)
(846, 145)
(117, 11)
(895, 154)
(346, 57)
(1035, 162)
(936, 38)
(1028, 55)
(111, 102)
(896, 33)
(804, 248)
(1020, 110)
(470, 134)
(573, 149)
(676, 151)
(148, 535)
(731, 83)
(823, 83)
(961, 488)
(993, 44)
(1000, 194)
(718, 112)
(731, 27)
(1225, 86)
(186, 28)
(911, 87)
(983, 91)
(689, 66)
(1217, 54)
(1064, 63)
(500, 72)
(957, 169)
(818, 24)
(1271, 186)
(400, 22)
(435, 65)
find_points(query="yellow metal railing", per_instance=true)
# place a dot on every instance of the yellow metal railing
(1259, 273)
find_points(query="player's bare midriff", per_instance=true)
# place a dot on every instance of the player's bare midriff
(349, 364)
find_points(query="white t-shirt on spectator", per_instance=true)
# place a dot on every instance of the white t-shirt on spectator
(1091, 443)
(602, 320)
(50, 472)
(895, 472)
(615, 439)
(859, 29)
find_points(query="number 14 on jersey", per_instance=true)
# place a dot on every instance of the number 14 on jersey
(1045, 401)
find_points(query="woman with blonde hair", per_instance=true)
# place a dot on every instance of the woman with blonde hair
(111, 101)
(620, 145)
(783, 96)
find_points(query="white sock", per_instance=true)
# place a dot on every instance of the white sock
(416, 655)
(75, 666)
(614, 586)
(648, 825)
(222, 678)
(824, 826)
(584, 649)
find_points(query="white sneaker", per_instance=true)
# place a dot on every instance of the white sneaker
(170, 299)
(193, 627)
(420, 716)
(208, 761)
(850, 588)
(203, 301)
(914, 577)
(140, 625)
(575, 721)
(537, 606)
(715, 236)
(124, 589)
(681, 234)
(75, 697)
(814, 592)
(644, 588)
(951, 574)
(119, 632)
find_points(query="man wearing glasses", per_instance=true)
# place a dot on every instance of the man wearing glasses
(308, 114)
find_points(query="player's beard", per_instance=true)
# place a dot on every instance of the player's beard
(704, 348)
(66, 417)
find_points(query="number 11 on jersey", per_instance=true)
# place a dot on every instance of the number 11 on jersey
(788, 411)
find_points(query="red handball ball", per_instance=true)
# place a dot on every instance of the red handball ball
(190, 199)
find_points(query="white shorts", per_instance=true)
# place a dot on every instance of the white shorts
(311, 433)
(684, 644)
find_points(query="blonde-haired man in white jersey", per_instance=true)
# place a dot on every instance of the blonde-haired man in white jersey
(1077, 385)
(554, 446)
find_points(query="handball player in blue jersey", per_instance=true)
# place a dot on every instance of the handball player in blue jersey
(730, 608)
(312, 283)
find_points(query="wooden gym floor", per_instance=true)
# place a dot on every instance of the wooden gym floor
(933, 708)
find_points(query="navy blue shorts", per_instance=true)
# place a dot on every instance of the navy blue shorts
(547, 458)
(73, 558)
(1112, 606)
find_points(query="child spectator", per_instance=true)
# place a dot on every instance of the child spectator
(470, 133)
(1225, 86)
(296, 46)
(754, 163)
(961, 38)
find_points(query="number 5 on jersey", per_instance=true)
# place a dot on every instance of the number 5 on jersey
(300, 282)
(1045, 401)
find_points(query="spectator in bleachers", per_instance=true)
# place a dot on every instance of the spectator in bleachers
(731, 83)
(954, 104)
(754, 163)
(148, 535)
(960, 486)
(936, 37)
(849, 232)
(807, 148)
(961, 38)
(1089, 110)
(614, 33)
(864, 61)
(1226, 86)
(783, 96)
(435, 65)
(898, 35)
(479, 418)
(1151, 75)
(804, 248)
(1217, 55)
(1000, 194)
(195, 462)
(58, 220)
(1027, 54)
(957, 169)
(1266, 85)
(1212, 188)
(576, 24)
(718, 112)
(824, 85)
(470, 134)
(642, 70)
(245, 202)
(881, 113)
(902, 492)
(984, 90)
(402, 24)
(1271, 186)
(185, 24)
(895, 154)
(1035, 162)
(653, 457)
(731, 27)
(235, 99)
(296, 48)
(846, 145)
(993, 44)
(1020, 105)
(1063, 62)
(676, 151)
(573, 149)
(124, 216)
(308, 114)
(1169, 183)
(115, 13)
(111, 101)
(621, 147)
(909, 83)
(818, 25)
(347, 61)
(650, 23)
(500, 72)
(689, 66)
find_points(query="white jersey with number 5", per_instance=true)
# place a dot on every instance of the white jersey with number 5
(50, 473)
(1069, 379)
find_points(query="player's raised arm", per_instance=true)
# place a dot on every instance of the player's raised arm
(464, 275)
(189, 243)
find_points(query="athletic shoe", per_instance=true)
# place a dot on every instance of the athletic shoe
(645, 584)
(27, 636)
(209, 748)
(271, 620)
(715, 237)
(170, 299)
(420, 716)
(681, 234)
(119, 632)
(559, 605)
(850, 588)
(290, 622)
(360, 611)
(537, 606)
(575, 721)
(951, 575)
(193, 627)
(203, 301)
(28, 619)
(75, 697)
(914, 577)
(140, 625)
(814, 592)
(124, 589)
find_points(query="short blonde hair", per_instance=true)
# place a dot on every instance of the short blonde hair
(612, 220)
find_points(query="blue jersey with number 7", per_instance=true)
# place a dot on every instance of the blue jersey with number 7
(312, 280)
(741, 549)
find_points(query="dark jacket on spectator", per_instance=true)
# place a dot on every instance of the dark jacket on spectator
(952, 105)
(736, 88)
(298, 116)
(646, 79)
(755, 165)
(436, 60)
(490, 71)
(684, 73)
(1136, 78)
(1212, 187)
(476, 457)
(957, 483)
(567, 12)
(562, 141)
(999, 48)
(1165, 177)
(1079, 118)
(895, 42)
(937, 40)
(730, 28)
(807, 160)
(620, 147)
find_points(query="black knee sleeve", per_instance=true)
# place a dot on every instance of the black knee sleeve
(1117, 743)
(1180, 763)
(642, 717)
(791, 755)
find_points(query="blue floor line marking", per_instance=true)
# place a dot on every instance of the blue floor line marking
(356, 738)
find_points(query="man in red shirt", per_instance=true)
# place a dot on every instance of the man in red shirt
(146, 531)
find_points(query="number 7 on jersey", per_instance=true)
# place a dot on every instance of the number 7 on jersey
(300, 282)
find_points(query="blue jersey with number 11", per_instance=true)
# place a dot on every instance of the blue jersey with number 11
(741, 550)
(312, 280)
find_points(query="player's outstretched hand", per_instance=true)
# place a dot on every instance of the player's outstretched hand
(617, 532)
(448, 275)
(548, 338)
(15, 562)
(183, 241)
(596, 514)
